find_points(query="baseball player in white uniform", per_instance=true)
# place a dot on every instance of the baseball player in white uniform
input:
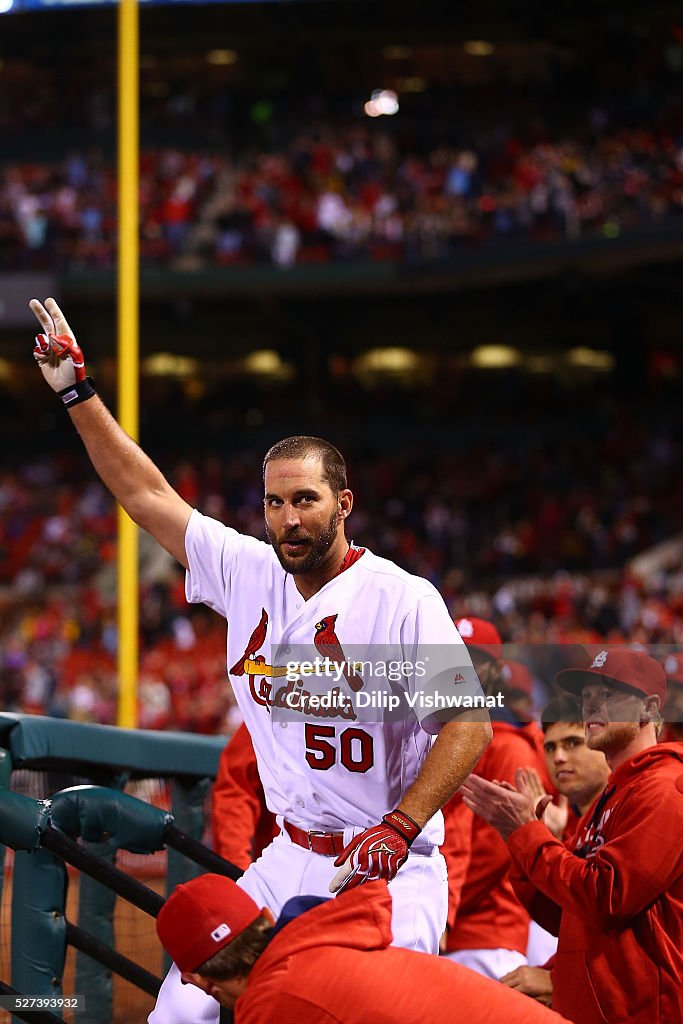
(357, 783)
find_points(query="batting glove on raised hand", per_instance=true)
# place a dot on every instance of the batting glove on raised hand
(376, 853)
(59, 356)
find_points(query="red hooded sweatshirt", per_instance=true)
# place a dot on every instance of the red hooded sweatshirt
(334, 965)
(483, 910)
(618, 904)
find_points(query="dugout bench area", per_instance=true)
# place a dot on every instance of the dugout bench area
(79, 803)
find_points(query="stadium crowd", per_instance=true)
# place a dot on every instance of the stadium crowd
(341, 194)
(235, 170)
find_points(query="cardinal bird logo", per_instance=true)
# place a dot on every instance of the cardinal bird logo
(256, 641)
(326, 642)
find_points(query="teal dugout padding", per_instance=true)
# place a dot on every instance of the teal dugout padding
(97, 813)
(96, 905)
(22, 820)
(109, 755)
(93, 812)
(108, 820)
(40, 742)
(38, 923)
(5, 772)
(38, 897)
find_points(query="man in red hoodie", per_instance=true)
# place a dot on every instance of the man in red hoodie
(615, 893)
(324, 962)
(579, 775)
(487, 927)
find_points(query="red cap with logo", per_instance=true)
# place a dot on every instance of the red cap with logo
(516, 676)
(673, 666)
(201, 916)
(480, 633)
(625, 669)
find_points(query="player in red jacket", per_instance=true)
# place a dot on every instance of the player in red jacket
(242, 824)
(326, 961)
(488, 928)
(579, 774)
(615, 895)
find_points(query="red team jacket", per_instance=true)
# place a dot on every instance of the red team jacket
(242, 824)
(483, 910)
(334, 963)
(618, 907)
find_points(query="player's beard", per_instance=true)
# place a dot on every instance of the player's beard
(317, 549)
(613, 737)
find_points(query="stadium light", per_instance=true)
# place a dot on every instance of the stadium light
(165, 364)
(495, 357)
(382, 101)
(266, 362)
(389, 361)
(591, 359)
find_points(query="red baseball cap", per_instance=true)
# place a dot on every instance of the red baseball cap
(480, 633)
(623, 668)
(673, 666)
(202, 916)
(517, 676)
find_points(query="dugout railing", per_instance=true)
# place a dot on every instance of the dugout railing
(46, 831)
(39, 757)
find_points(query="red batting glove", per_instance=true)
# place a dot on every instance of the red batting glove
(378, 852)
(59, 356)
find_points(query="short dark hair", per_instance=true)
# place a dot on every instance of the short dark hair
(565, 708)
(301, 446)
(237, 958)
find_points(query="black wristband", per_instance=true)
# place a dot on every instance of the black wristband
(403, 824)
(81, 391)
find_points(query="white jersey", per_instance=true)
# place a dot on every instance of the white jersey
(347, 764)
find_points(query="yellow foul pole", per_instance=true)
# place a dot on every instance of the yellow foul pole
(128, 348)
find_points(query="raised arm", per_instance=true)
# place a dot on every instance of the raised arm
(123, 467)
